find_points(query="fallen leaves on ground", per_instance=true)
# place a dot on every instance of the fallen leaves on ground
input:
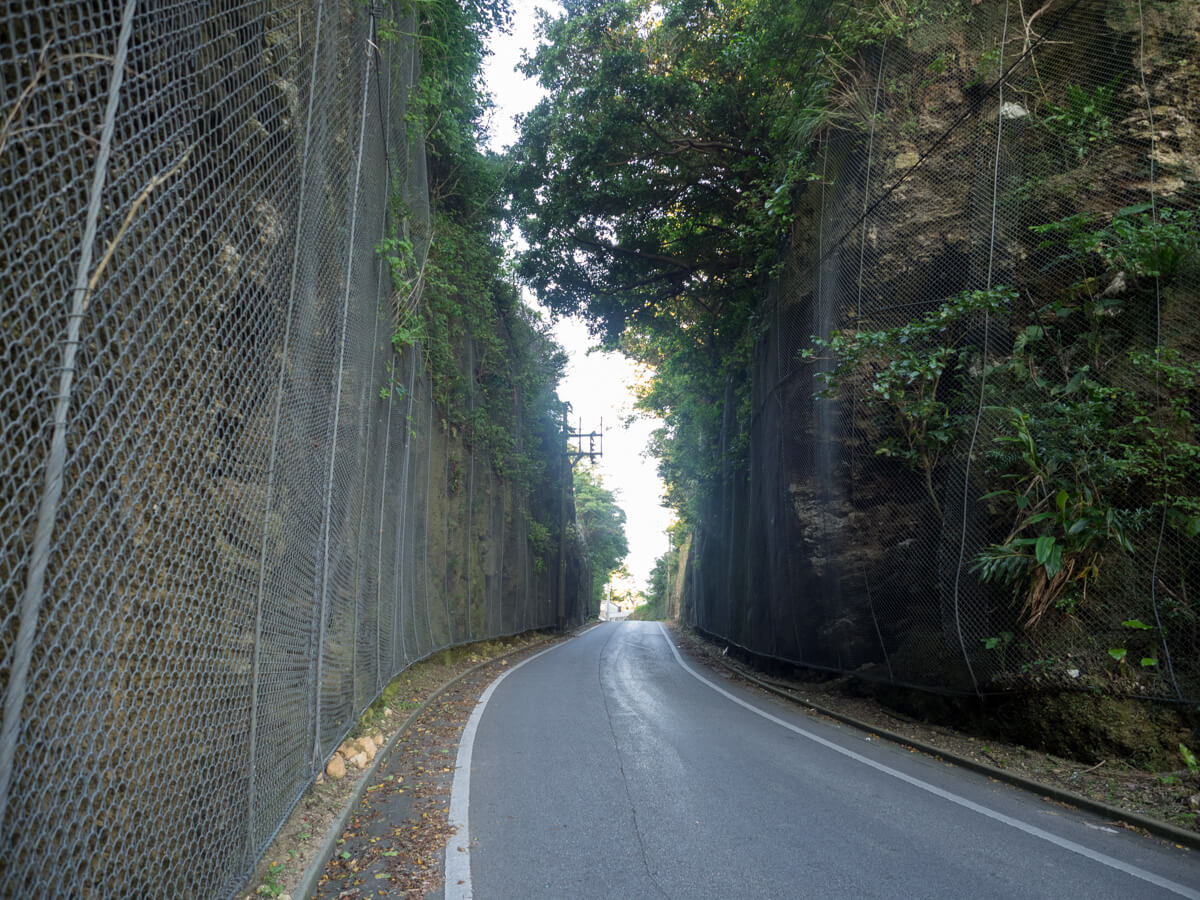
(394, 844)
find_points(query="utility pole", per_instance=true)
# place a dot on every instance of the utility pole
(567, 468)
(595, 443)
(572, 454)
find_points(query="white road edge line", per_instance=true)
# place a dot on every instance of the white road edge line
(1032, 830)
(458, 848)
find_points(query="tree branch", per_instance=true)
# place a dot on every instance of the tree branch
(636, 254)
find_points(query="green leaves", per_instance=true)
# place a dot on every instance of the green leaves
(662, 169)
(1080, 457)
(1140, 241)
(652, 187)
(602, 525)
(1048, 554)
(1083, 123)
(458, 293)
(1120, 654)
(1189, 759)
(903, 368)
(999, 642)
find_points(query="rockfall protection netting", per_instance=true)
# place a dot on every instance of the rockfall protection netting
(853, 538)
(220, 541)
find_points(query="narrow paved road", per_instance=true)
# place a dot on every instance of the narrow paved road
(606, 768)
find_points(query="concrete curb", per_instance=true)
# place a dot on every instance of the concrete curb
(312, 875)
(1156, 827)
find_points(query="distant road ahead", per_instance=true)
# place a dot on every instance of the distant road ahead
(604, 768)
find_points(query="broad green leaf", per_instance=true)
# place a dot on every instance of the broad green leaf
(1189, 758)
(1043, 548)
(1055, 563)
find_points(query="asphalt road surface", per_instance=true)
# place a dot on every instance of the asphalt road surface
(611, 767)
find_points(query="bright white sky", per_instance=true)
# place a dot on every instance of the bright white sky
(597, 385)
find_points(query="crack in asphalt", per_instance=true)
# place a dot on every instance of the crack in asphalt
(637, 828)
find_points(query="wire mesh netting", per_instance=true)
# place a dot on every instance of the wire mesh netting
(1019, 511)
(221, 538)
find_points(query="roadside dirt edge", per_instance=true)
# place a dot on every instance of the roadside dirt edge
(308, 882)
(344, 797)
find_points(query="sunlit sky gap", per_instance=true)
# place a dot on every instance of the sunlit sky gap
(597, 385)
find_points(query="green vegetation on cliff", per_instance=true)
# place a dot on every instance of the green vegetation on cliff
(494, 365)
(602, 524)
(971, 230)
(657, 180)
(648, 185)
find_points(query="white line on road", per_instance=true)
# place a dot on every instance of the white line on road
(458, 848)
(1032, 830)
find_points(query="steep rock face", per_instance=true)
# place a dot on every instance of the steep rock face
(264, 514)
(1166, 112)
(827, 551)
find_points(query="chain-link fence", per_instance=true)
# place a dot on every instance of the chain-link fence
(1015, 187)
(221, 539)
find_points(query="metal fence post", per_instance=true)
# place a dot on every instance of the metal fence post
(39, 557)
(339, 373)
(273, 455)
